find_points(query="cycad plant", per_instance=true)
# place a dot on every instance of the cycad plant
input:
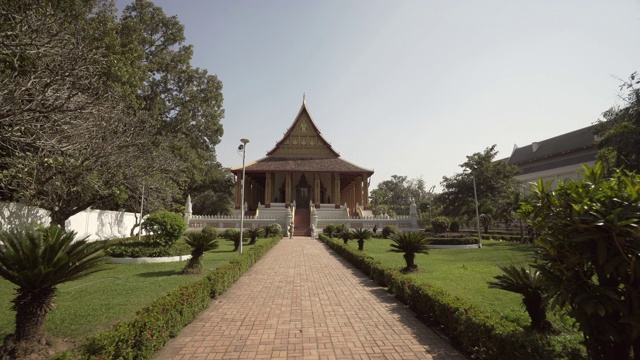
(201, 242)
(37, 261)
(410, 243)
(253, 234)
(233, 235)
(361, 235)
(343, 233)
(528, 283)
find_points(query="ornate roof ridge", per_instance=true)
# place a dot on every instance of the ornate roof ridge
(303, 109)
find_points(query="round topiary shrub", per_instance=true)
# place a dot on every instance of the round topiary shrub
(454, 226)
(389, 230)
(274, 229)
(210, 232)
(167, 227)
(440, 224)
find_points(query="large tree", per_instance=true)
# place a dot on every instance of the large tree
(495, 186)
(396, 194)
(72, 134)
(186, 101)
(618, 133)
(93, 110)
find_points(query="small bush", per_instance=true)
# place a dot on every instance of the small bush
(388, 231)
(274, 229)
(329, 230)
(131, 247)
(167, 227)
(440, 224)
(454, 226)
(211, 232)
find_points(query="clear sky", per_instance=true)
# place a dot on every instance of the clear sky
(411, 87)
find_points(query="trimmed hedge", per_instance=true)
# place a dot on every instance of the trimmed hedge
(471, 330)
(155, 324)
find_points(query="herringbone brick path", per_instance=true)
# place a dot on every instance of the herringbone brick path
(303, 302)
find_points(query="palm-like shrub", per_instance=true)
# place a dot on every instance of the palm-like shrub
(343, 232)
(329, 230)
(253, 234)
(200, 243)
(37, 261)
(527, 283)
(233, 235)
(410, 243)
(361, 235)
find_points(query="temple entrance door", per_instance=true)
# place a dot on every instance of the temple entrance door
(302, 198)
(303, 193)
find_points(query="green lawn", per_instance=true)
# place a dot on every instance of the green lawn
(464, 272)
(92, 304)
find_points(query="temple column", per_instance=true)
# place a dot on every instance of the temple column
(316, 190)
(365, 191)
(238, 192)
(247, 191)
(268, 195)
(287, 190)
(336, 190)
(359, 191)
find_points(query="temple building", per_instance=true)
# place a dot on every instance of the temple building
(303, 169)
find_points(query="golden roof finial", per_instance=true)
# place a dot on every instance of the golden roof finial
(304, 98)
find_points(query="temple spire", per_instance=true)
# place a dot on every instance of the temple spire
(304, 98)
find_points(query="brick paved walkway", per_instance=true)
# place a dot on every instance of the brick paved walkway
(301, 301)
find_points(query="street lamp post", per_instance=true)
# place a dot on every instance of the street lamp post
(242, 147)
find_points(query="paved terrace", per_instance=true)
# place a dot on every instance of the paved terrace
(302, 301)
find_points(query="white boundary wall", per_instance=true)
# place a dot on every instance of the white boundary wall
(97, 224)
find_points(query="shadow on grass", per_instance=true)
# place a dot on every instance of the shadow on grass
(518, 247)
(164, 273)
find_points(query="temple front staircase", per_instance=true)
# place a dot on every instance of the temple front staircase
(302, 222)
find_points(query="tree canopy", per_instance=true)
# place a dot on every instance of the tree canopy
(396, 195)
(495, 186)
(94, 109)
(618, 133)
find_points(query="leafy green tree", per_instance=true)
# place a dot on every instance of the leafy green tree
(588, 252)
(410, 243)
(361, 235)
(618, 133)
(394, 196)
(69, 86)
(37, 261)
(529, 284)
(166, 226)
(200, 243)
(185, 101)
(495, 186)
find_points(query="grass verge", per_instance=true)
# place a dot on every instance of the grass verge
(476, 328)
(95, 303)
